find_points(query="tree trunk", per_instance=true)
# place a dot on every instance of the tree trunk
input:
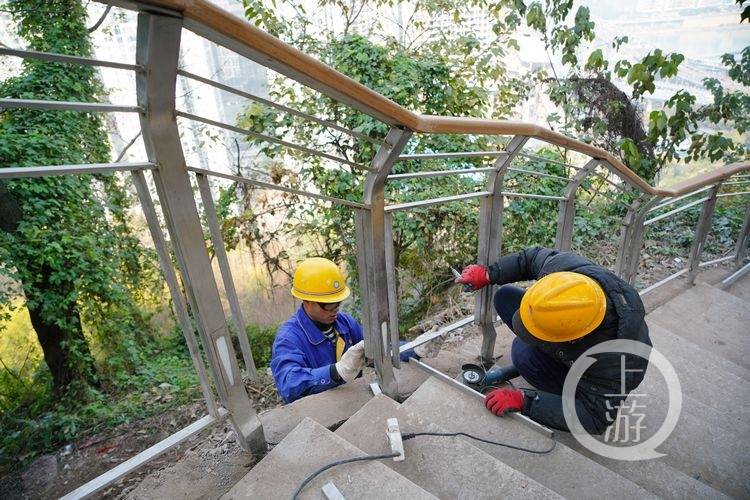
(66, 351)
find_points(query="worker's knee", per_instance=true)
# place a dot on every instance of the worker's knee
(507, 300)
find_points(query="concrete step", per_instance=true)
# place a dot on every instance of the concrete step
(668, 343)
(715, 320)
(666, 292)
(705, 445)
(563, 471)
(447, 467)
(704, 376)
(330, 409)
(310, 446)
(656, 476)
(740, 289)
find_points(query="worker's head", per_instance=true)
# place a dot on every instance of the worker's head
(320, 285)
(561, 307)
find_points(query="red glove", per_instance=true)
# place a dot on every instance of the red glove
(475, 275)
(501, 401)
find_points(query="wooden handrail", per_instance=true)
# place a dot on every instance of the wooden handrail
(239, 35)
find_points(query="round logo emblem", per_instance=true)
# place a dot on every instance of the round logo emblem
(336, 284)
(640, 450)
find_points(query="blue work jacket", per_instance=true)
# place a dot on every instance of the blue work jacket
(302, 355)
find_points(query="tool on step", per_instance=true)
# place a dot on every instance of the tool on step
(468, 390)
(394, 438)
(456, 274)
(479, 379)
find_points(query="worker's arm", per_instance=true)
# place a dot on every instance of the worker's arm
(527, 264)
(546, 408)
(520, 266)
(294, 378)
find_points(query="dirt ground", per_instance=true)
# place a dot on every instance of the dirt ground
(211, 456)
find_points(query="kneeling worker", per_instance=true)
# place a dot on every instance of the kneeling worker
(573, 306)
(319, 347)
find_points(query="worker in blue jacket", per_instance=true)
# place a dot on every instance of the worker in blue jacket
(320, 347)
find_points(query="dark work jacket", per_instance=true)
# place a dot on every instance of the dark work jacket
(624, 319)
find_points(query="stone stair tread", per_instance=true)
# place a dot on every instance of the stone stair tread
(740, 289)
(329, 408)
(656, 476)
(703, 375)
(561, 471)
(669, 342)
(305, 449)
(711, 318)
(705, 444)
(447, 467)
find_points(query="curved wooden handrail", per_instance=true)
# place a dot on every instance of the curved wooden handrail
(239, 35)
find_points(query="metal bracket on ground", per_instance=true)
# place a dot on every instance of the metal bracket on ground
(331, 492)
(394, 439)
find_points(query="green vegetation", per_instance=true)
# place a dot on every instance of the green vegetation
(34, 421)
(431, 74)
(68, 256)
(67, 240)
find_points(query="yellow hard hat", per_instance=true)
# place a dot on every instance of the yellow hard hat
(319, 280)
(563, 306)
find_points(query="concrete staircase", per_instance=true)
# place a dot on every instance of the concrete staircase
(701, 330)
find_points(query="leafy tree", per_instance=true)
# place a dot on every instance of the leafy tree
(67, 239)
(430, 72)
(596, 110)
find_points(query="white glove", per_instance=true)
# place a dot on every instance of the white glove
(429, 349)
(352, 362)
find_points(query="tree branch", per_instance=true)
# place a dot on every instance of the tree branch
(127, 146)
(101, 19)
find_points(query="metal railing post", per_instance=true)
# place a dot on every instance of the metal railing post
(379, 345)
(567, 214)
(631, 237)
(490, 241)
(742, 241)
(178, 299)
(390, 272)
(226, 273)
(701, 232)
(157, 51)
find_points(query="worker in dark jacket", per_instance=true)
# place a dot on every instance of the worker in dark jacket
(573, 306)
